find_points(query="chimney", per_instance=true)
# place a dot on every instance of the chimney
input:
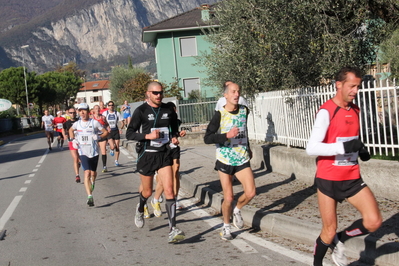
(205, 12)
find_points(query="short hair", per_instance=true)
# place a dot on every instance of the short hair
(153, 83)
(225, 84)
(111, 102)
(226, 87)
(343, 72)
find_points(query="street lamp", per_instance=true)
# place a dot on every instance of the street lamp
(26, 85)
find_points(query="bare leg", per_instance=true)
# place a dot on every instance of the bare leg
(246, 177)
(227, 186)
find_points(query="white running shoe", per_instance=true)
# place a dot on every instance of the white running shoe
(160, 198)
(176, 235)
(157, 209)
(338, 254)
(146, 212)
(138, 218)
(237, 220)
(226, 233)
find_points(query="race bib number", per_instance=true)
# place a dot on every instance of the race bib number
(241, 139)
(48, 124)
(347, 158)
(85, 140)
(59, 125)
(112, 123)
(163, 137)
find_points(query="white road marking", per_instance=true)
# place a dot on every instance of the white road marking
(7, 214)
(13, 205)
(244, 246)
(43, 157)
(38, 165)
(277, 248)
(242, 238)
(125, 152)
(216, 223)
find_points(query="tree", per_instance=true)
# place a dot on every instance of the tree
(46, 93)
(173, 89)
(12, 86)
(279, 44)
(390, 49)
(119, 77)
(134, 89)
(65, 85)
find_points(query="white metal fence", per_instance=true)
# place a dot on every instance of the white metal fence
(287, 117)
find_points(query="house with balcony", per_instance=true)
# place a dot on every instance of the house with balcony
(178, 41)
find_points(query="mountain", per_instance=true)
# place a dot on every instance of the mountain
(90, 32)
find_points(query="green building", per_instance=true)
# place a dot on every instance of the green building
(178, 41)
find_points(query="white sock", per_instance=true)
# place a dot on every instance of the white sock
(226, 225)
(236, 210)
(155, 200)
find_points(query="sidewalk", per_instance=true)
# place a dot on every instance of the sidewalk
(7, 138)
(284, 206)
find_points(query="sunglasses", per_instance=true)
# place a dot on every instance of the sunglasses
(110, 105)
(72, 112)
(157, 92)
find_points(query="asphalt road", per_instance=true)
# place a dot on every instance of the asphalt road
(45, 220)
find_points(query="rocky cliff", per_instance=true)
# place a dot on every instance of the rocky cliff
(102, 32)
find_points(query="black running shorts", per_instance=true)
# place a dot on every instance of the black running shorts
(59, 134)
(175, 153)
(229, 169)
(340, 190)
(114, 134)
(150, 162)
(89, 163)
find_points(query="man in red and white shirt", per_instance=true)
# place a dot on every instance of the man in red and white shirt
(335, 140)
(58, 125)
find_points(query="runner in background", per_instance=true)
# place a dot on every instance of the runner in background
(175, 154)
(58, 125)
(103, 142)
(126, 114)
(113, 118)
(102, 108)
(47, 125)
(74, 152)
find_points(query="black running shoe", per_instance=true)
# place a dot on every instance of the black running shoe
(77, 179)
(90, 201)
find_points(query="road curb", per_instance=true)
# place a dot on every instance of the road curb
(365, 247)
(368, 248)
